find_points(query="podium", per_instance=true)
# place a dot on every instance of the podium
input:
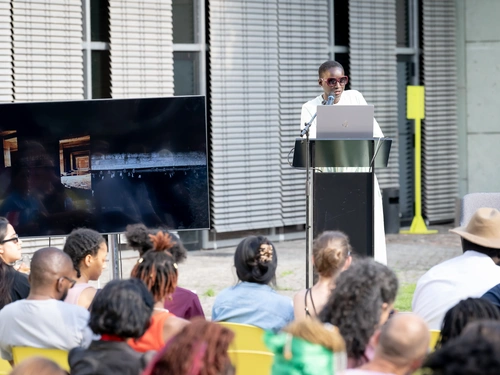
(343, 200)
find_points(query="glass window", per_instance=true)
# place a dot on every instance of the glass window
(341, 22)
(101, 74)
(343, 58)
(183, 13)
(186, 68)
(99, 20)
(402, 23)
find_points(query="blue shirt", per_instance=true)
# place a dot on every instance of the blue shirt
(255, 304)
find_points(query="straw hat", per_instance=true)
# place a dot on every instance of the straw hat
(483, 228)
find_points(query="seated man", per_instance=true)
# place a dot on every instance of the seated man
(43, 320)
(400, 347)
(468, 275)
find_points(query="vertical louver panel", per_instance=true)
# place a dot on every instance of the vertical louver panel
(440, 138)
(141, 41)
(47, 50)
(5, 52)
(245, 133)
(372, 46)
(303, 46)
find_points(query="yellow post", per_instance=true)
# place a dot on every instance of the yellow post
(415, 109)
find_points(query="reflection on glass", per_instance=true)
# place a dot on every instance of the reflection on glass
(186, 78)
(99, 20)
(183, 13)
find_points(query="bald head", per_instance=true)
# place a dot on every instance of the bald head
(49, 264)
(403, 339)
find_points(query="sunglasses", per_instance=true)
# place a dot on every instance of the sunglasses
(333, 81)
(13, 239)
(71, 281)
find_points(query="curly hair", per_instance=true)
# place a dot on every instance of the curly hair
(138, 237)
(330, 252)
(355, 305)
(80, 243)
(199, 349)
(157, 268)
(464, 312)
(256, 260)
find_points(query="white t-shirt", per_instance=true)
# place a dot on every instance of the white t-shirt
(469, 275)
(43, 324)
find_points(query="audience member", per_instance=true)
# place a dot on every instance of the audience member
(475, 352)
(468, 275)
(464, 312)
(360, 303)
(158, 271)
(252, 300)
(14, 285)
(120, 311)
(493, 295)
(88, 251)
(38, 366)
(401, 345)
(307, 347)
(331, 256)
(42, 320)
(199, 349)
(184, 303)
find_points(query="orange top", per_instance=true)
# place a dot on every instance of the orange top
(153, 337)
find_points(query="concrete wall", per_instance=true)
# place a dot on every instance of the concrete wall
(478, 80)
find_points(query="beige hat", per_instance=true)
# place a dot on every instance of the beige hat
(483, 228)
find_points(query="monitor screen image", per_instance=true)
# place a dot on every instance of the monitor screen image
(104, 164)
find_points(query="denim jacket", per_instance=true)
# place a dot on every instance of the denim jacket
(255, 304)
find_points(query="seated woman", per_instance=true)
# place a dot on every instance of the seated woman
(122, 310)
(158, 271)
(14, 285)
(331, 256)
(252, 300)
(307, 347)
(88, 251)
(360, 303)
(464, 312)
(199, 349)
(184, 303)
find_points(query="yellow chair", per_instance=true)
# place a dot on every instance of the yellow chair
(435, 333)
(20, 353)
(5, 367)
(248, 353)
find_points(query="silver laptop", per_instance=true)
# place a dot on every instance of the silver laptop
(345, 121)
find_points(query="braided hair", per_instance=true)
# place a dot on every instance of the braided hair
(199, 349)
(157, 267)
(256, 260)
(139, 238)
(80, 243)
(464, 312)
(355, 305)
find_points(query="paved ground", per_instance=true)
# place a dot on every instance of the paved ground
(209, 271)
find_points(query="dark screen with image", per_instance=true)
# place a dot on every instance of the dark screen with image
(104, 164)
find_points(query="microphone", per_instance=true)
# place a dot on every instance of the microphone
(330, 100)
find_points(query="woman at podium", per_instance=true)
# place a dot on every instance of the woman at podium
(333, 80)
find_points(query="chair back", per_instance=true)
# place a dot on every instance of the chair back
(248, 353)
(20, 353)
(471, 202)
(435, 333)
(5, 367)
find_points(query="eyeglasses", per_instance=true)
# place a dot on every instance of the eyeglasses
(71, 281)
(13, 239)
(333, 81)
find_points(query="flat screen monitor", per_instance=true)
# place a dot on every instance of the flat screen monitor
(104, 164)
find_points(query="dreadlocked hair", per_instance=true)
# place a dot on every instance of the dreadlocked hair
(464, 312)
(139, 238)
(315, 332)
(199, 349)
(157, 267)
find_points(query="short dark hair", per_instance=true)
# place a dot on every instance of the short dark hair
(464, 312)
(251, 265)
(80, 243)
(122, 308)
(467, 245)
(327, 65)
